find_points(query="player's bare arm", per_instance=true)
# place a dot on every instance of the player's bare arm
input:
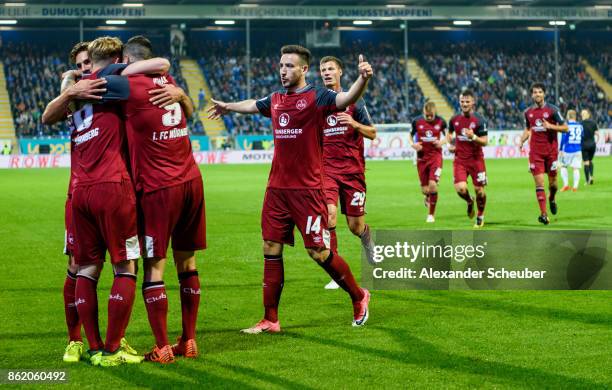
(156, 65)
(525, 136)
(219, 108)
(345, 99)
(367, 131)
(449, 141)
(83, 90)
(418, 146)
(483, 140)
(560, 128)
(169, 94)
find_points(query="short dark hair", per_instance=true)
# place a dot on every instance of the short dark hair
(467, 92)
(79, 47)
(138, 47)
(301, 51)
(538, 85)
(332, 59)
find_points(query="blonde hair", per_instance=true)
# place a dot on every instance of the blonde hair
(429, 106)
(105, 48)
(583, 112)
(571, 114)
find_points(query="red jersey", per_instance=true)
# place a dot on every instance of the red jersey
(342, 144)
(542, 140)
(465, 148)
(158, 138)
(427, 132)
(98, 138)
(297, 123)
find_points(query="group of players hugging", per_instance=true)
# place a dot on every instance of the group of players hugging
(135, 187)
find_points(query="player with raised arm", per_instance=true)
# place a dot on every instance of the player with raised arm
(427, 137)
(570, 151)
(344, 162)
(469, 130)
(543, 122)
(171, 197)
(294, 195)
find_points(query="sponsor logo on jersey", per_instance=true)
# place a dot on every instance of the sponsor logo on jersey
(283, 119)
(332, 120)
(301, 104)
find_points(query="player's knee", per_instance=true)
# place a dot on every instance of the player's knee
(154, 269)
(332, 219)
(90, 270)
(480, 191)
(433, 187)
(318, 254)
(127, 266)
(72, 265)
(272, 248)
(356, 225)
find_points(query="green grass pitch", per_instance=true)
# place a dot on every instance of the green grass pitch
(502, 339)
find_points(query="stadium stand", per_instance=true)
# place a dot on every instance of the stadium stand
(501, 76)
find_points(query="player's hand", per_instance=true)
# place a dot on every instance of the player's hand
(418, 146)
(88, 89)
(547, 124)
(451, 148)
(75, 74)
(346, 119)
(365, 69)
(218, 109)
(437, 144)
(468, 133)
(166, 95)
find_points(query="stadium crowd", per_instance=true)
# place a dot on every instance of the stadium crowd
(501, 75)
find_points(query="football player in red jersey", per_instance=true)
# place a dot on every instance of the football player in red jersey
(294, 196)
(171, 197)
(427, 137)
(103, 205)
(543, 121)
(344, 162)
(470, 133)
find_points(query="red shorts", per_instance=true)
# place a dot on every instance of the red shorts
(543, 163)
(351, 189)
(176, 212)
(429, 169)
(105, 214)
(474, 168)
(69, 232)
(284, 209)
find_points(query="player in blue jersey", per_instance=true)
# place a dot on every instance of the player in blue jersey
(570, 151)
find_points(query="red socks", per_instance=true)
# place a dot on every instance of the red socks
(340, 271)
(86, 301)
(156, 302)
(120, 303)
(541, 195)
(433, 199)
(481, 201)
(190, 302)
(273, 280)
(72, 315)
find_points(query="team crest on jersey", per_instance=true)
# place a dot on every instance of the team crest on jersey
(332, 120)
(429, 133)
(539, 122)
(301, 104)
(472, 125)
(283, 119)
